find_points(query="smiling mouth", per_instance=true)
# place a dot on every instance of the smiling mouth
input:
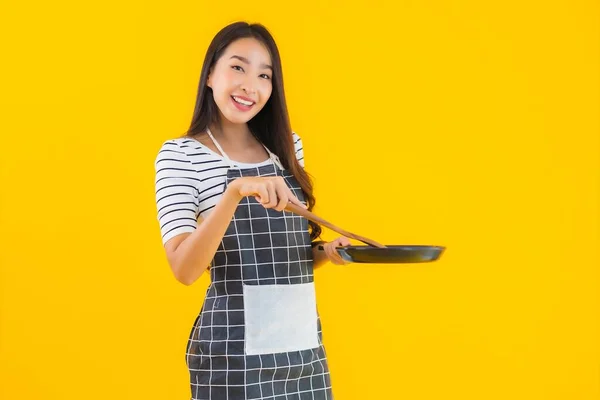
(243, 102)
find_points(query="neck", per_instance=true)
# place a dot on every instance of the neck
(229, 132)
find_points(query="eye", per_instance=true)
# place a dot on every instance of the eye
(236, 68)
(265, 76)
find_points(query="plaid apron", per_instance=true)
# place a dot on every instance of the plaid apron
(258, 334)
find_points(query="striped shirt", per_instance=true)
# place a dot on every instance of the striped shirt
(190, 180)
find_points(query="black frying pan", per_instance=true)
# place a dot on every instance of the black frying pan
(374, 253)
(390, 254)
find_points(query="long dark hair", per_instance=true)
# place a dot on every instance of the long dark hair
(271, 126)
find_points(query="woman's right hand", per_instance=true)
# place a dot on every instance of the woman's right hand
(270, 191)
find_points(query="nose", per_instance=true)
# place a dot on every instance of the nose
(248, 87)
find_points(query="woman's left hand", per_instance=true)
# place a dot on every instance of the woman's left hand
(332, 253)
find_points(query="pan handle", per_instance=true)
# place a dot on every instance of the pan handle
(344, 254)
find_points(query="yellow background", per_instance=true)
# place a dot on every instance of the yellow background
(457, 123)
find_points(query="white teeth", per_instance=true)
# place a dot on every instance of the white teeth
(242, 101)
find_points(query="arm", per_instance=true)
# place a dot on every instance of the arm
(190, 254)
(189, 247)
(319, 256)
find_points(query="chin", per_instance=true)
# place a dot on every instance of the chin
(238, 119)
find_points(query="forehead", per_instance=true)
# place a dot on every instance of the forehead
(249, 48)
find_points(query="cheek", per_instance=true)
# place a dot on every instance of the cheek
(224, 82)
(265, 91)
(230, 77)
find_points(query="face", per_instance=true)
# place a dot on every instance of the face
(241, 80)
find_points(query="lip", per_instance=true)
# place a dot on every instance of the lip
(244, 98)
(242, 107)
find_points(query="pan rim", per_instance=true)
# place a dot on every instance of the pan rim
(400, 254)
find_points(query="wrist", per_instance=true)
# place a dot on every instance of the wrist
(233, 191)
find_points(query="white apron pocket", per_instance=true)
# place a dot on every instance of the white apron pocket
(280, 318)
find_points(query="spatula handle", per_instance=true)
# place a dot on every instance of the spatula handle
(314, 218)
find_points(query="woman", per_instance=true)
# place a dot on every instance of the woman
(258, 334)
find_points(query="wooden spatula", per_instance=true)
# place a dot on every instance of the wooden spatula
(314, 218)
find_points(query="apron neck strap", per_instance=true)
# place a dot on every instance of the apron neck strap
(272, 156)
(217, 145)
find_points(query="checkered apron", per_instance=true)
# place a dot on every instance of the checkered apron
(258, 335)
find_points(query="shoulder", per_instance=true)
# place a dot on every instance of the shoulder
(297, 139)
(298, 148)
(173, 159)
(170, 150)
(184, 149)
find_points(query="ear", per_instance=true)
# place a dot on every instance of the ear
(208, 79)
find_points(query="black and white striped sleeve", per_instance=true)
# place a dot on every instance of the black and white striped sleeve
(299, 149)
(176, 188)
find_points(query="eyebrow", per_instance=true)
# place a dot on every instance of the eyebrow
(245, 60)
